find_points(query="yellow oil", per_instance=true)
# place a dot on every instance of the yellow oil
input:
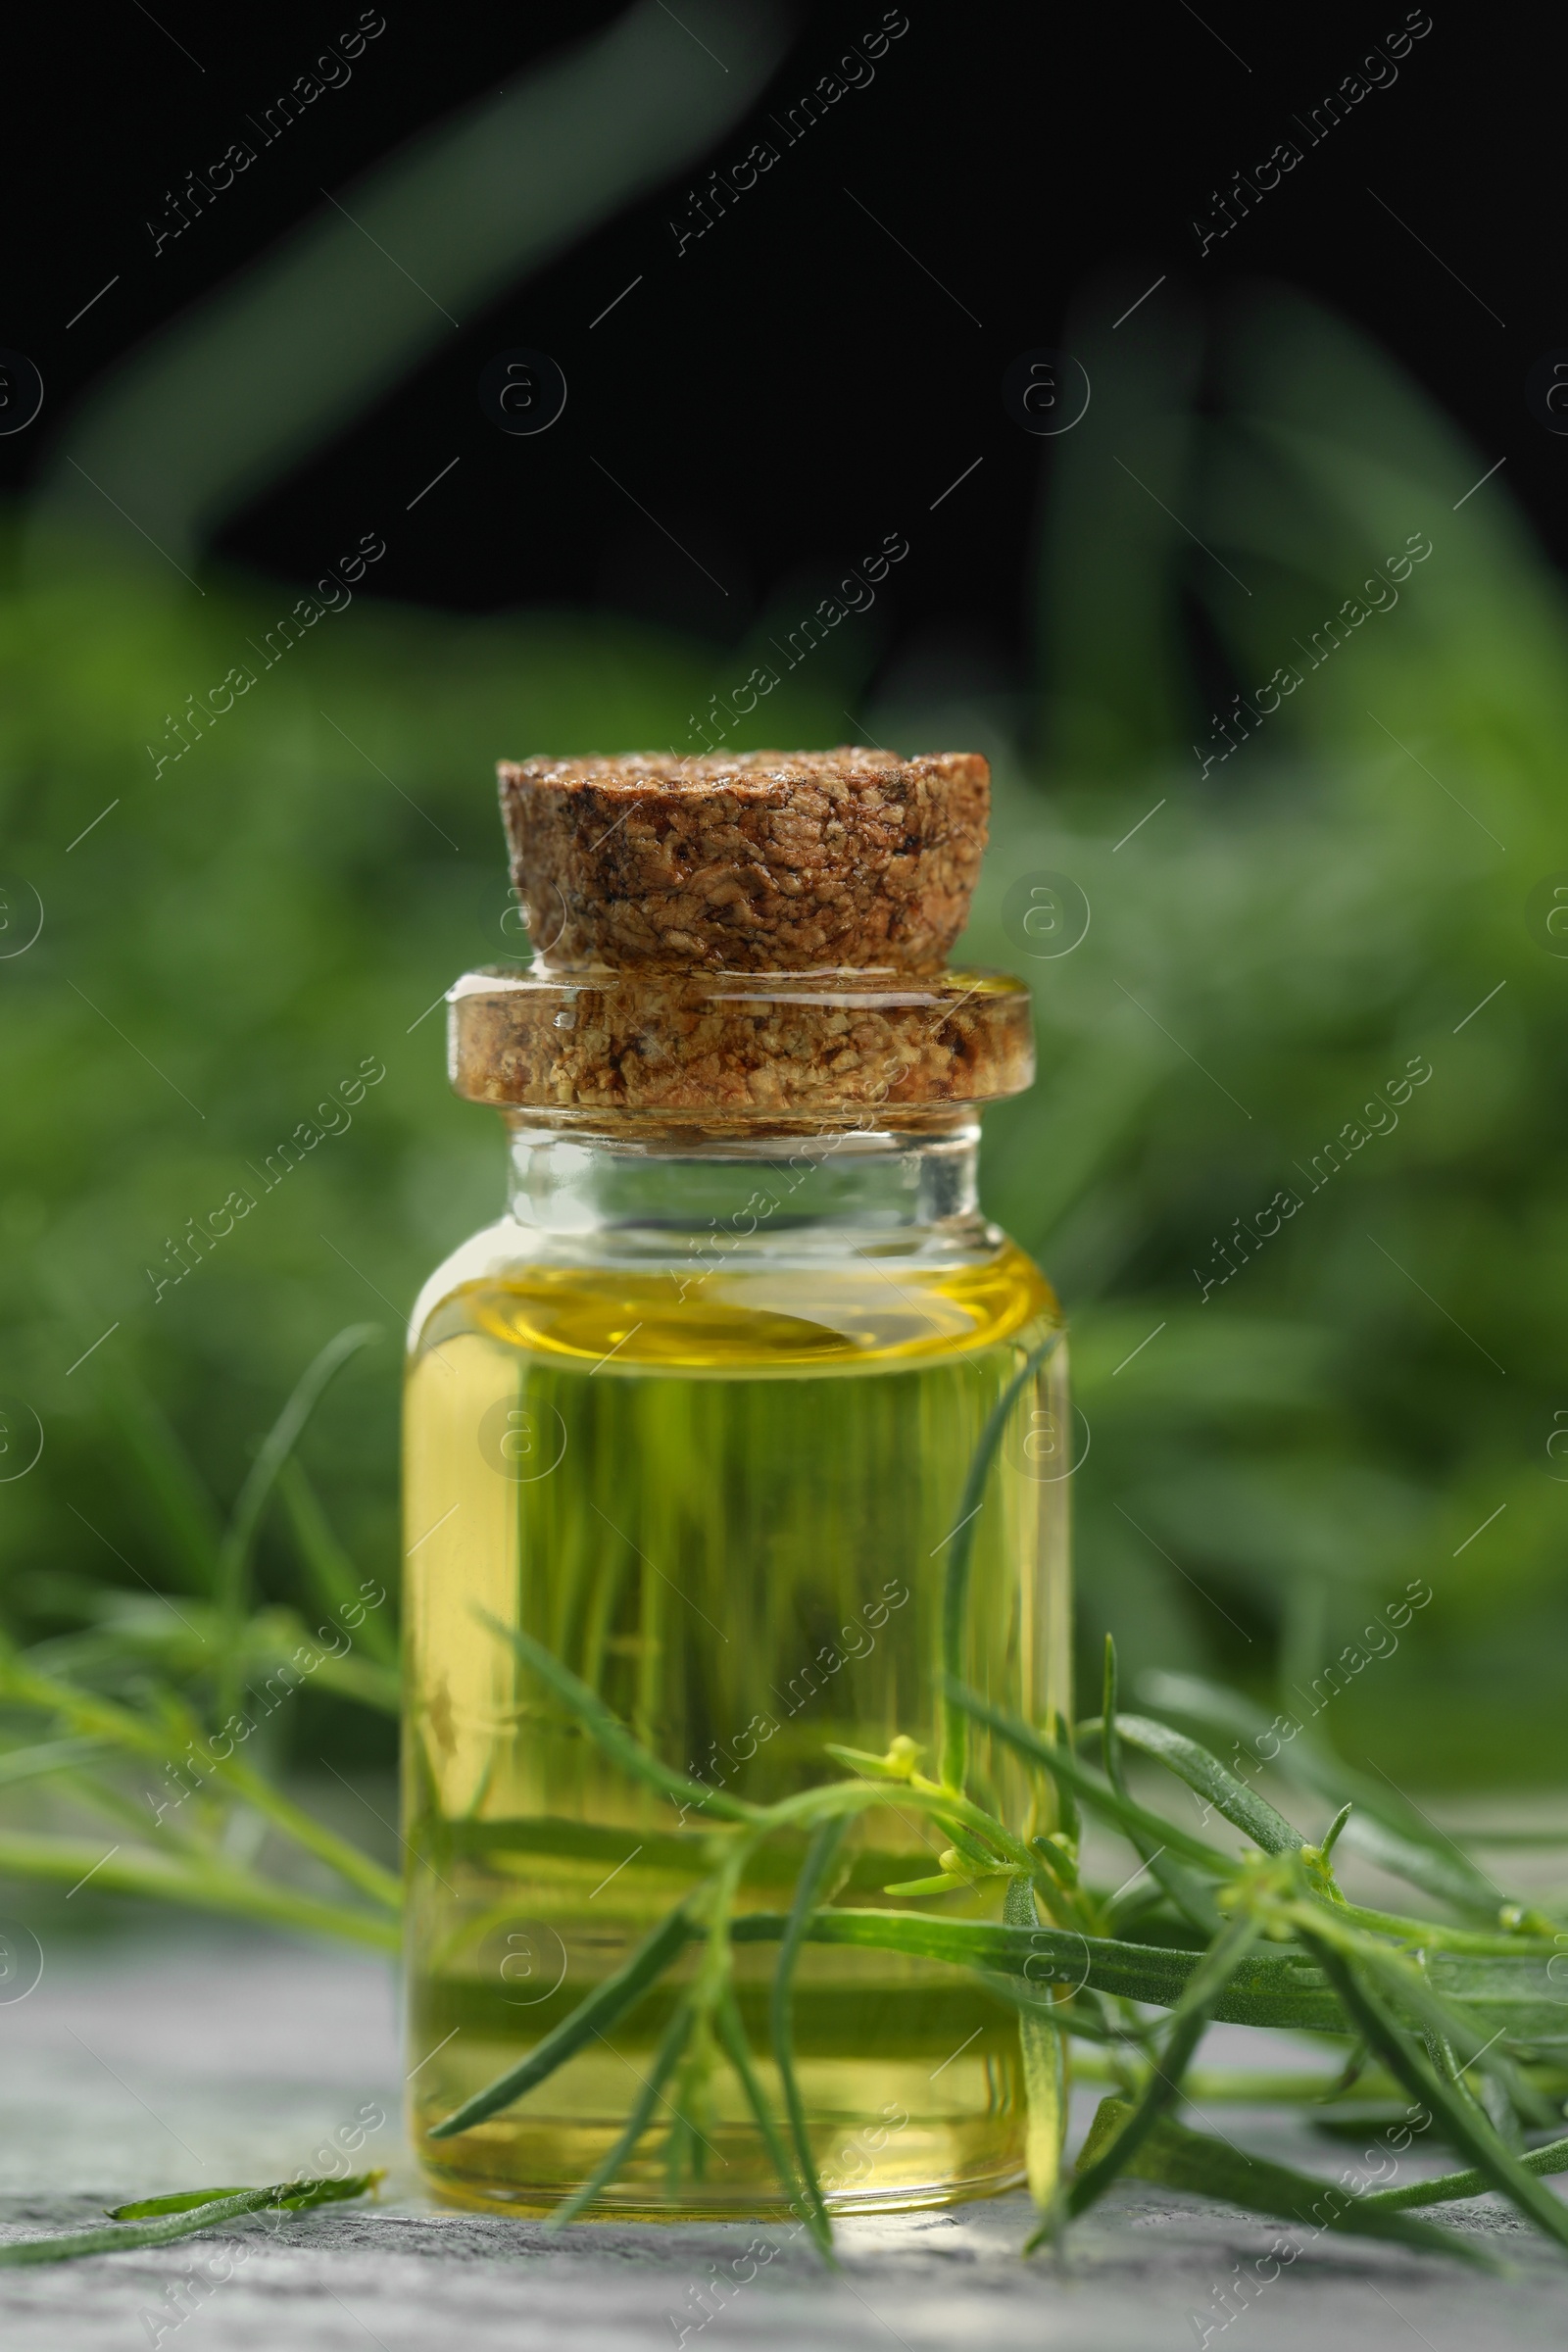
(727, 1504)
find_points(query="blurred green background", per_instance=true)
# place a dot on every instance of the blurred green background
(1273, 939)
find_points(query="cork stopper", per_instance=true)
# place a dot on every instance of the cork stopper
(790, 1049)
(755, 862)
(724, 939)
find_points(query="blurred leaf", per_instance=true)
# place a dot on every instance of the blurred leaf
(1205, 2167)
(265, 370)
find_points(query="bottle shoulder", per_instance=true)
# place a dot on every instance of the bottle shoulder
(724, 1303)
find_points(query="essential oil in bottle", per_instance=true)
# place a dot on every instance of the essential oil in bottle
(697, 1414)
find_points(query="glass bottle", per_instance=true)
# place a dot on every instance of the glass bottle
(697, 1414)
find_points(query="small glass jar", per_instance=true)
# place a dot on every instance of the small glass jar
(696, 1413)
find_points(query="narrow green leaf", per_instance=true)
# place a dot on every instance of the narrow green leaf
(177, 1877)
(1134, 1819)
(1335, 1831)
(1109, 1744)
(1041, 2048)
(1209, 1779)
(956, 1575)
(1295, 2087)
(807, 2202)
(1190, 1894)
(1494, 1987)
(349, 1861)
(599, 2009)
(87, 1712)
(1182, 1887)
(158, 1739)
(1448, 2188)
(51, 1755)
(973, 1849)
(302, 2194)
(1464, 2039)
(1461, 2119)
(1431, 1937)
(174, 1487)
(1080, 2019)
(665, 2059)
(610, 1734)
(1280, 1987)
(1177, 2158)
(333, 1575)
(184, 2200)
(1448, 1876)
(239, 1536)
(1406, 1848)
(307, 2194)
(1060, 1860)
(692, 2103)
(1072, 1828)
(820, 1856)
(163, 2229)
(1187, 2026)
(365, 1682)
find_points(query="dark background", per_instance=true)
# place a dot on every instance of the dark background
(794, 383)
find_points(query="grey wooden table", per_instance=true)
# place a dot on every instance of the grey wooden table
(145, 2066)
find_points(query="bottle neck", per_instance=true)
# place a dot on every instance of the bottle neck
(847, 1188)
